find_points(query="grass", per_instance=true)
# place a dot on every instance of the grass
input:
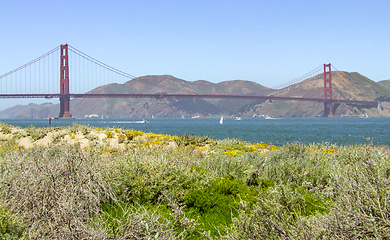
(155, 186)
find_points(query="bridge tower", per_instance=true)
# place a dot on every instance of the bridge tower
(64, 83)
(328, 108)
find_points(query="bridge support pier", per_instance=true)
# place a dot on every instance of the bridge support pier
(328, 108)
(64, 83)
(64, 107)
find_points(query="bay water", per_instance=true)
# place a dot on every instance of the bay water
(278, 131)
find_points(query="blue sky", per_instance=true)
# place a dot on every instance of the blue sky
(270, 42)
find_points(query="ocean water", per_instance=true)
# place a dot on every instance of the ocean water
(341, 131)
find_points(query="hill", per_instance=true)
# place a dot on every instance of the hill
(166, 107)
(31, 110)
(385, 83)
(126, 108)
(346, 85)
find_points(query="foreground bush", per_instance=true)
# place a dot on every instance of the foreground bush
(56, 190)
(153, 186)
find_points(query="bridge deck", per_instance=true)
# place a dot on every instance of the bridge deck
(165, 95)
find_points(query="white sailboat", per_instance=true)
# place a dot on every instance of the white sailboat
(221, 121)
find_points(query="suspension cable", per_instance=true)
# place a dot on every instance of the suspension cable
(30, 63)
(299, 79)
(114, 70)
(338, 73)
(100, 63)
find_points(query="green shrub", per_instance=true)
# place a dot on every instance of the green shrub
(11, 227)
(130, 135)
(279, 213)
(5, 128)
(216, 203)
(36, 133)
(140, 177)
(58, 190)
(147, 221)
(361, 208)
(191, 140)
(109, 134)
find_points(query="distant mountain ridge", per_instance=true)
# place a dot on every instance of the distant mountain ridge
(166, 107)
(345, 86)
(385, 83)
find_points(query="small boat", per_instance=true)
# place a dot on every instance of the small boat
(268, 117)
(221, 121)
(238, 118)
(143, 121)
(195, 117)
(94, 115)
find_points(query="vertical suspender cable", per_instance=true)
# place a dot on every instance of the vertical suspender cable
(81, 80)
(84, 71)
(35, 86)
(95, 84)
(52, 73)
(39, 76)
(91, 75)
(100, 79)
(16, 83)
(72, 70)
(87, 76)
(44, 75)
(48, 77)
(35, 81)
(26, 81)
(25, 78)
(16, 80)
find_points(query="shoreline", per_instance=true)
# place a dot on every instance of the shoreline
(86, 135)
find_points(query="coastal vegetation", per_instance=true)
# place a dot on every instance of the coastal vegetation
(82, 182)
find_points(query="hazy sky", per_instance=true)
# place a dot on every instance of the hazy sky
(270, 42)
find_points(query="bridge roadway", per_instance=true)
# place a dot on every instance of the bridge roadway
(166, 95)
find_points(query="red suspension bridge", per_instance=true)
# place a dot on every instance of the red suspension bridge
(39, 79)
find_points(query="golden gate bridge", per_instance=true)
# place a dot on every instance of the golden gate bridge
(39, 79)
